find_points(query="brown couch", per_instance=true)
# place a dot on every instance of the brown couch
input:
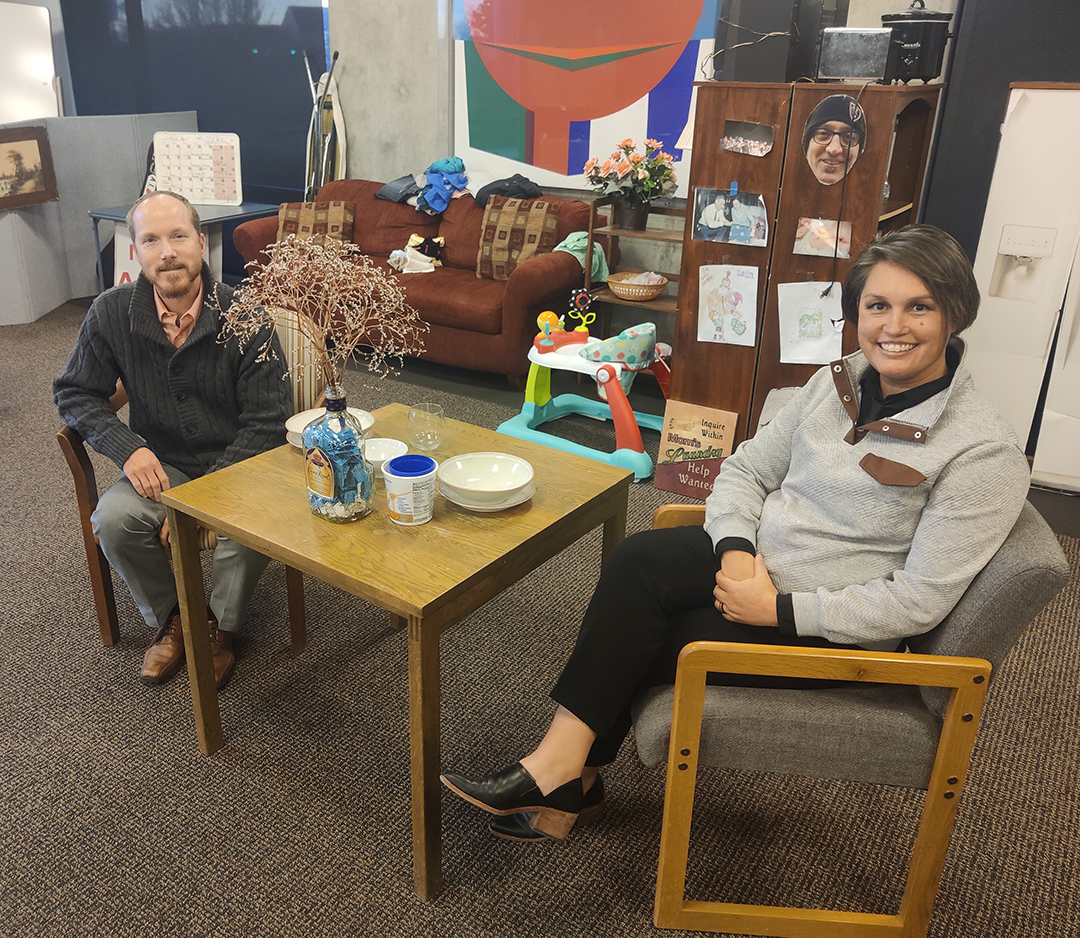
(487, 325)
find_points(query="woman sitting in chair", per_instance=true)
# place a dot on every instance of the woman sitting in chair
(857, 517)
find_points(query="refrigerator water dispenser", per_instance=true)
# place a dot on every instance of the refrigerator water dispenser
(1017, 267)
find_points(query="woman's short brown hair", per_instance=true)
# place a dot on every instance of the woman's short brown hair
(932, 255)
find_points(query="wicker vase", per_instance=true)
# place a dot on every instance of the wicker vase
(629, 213)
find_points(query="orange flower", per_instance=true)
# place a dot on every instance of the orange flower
(654, 144)
(627, 144)
(636, 158)
(590, 166)
(607, 168)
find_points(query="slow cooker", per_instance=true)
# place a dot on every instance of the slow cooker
(917, 46)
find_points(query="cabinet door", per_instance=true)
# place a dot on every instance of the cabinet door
(708, 373)
(899, 122)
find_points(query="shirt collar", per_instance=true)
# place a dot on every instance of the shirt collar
(178, 327)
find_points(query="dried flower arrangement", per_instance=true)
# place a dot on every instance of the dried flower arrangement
(335, 299)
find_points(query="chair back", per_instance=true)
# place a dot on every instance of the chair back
(300, 356)
(1027, 571)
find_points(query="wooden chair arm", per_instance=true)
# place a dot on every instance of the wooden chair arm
(82, 471)
(837, 664)
(674, 516)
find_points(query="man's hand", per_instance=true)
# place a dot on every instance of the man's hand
(751, 601)
(144, 472)
(163, 534)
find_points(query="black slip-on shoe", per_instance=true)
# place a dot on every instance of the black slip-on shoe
(514, 790)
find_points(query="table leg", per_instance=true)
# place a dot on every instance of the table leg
(615, 526)
(189, 588)
(424, 756)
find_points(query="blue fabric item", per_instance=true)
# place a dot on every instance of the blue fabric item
(439, 190)
(450, 165)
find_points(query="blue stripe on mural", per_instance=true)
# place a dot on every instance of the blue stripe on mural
(578, 152)
(706, 25)
(669, 101)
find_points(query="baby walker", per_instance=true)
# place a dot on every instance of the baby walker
(613, 363)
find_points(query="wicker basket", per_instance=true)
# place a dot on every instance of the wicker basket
(634, 291)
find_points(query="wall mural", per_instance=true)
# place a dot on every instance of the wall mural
(542, 85)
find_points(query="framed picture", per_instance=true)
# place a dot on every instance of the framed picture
(26, 168)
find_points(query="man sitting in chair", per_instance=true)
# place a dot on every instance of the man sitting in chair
(196, 404)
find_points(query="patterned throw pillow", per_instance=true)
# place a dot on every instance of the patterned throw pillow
(316, 220)
(515, 230)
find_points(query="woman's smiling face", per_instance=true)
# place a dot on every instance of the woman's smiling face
(902, 330)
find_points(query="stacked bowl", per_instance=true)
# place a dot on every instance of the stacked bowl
(486, 481)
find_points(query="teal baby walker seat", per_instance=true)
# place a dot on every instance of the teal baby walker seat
(613, 363)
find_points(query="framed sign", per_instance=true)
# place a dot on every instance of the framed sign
(26, 168)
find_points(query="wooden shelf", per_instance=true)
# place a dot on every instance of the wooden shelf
(648, 234)
(601, 294)
(665, 304)
(892, 209)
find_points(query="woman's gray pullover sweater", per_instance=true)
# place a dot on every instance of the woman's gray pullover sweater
(876, 532)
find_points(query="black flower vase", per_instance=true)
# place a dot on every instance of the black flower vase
(630, 213)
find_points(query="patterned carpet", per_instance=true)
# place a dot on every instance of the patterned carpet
(113, 824)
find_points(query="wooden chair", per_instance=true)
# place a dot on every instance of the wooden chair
(910, 722)
(86, 495)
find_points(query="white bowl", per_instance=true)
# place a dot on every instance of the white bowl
(485, 478)
(294, 426)
(379, 449)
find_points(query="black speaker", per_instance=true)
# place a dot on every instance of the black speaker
(772, 40)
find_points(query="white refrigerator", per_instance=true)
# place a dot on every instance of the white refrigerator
(1028, 272)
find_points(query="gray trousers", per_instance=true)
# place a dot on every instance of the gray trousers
(127, 526)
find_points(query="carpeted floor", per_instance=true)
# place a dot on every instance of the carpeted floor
(113, 824)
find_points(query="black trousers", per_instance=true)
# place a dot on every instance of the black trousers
(654, 596)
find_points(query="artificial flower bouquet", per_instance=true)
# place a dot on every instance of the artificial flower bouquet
(639, 177)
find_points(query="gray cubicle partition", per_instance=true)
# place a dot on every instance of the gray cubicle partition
(47, 251)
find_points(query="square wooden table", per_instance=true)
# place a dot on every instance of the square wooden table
(409, 571)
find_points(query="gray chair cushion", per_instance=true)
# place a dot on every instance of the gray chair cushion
(868, 732)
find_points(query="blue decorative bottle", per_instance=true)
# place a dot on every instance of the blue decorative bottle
(340, 481)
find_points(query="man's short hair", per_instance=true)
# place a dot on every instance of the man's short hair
(932, 255)
(195, 220)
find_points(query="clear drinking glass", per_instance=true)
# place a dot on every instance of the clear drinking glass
(426, 425)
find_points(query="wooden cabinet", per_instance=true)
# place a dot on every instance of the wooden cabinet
(601, 232)
(899, 124)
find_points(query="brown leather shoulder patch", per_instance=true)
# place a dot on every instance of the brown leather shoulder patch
(888, 472)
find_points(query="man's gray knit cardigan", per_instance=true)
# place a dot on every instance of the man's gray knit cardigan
(199, 407)
(874, 532)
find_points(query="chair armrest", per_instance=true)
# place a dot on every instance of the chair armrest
(253, 237)
(675, 516)
(837, 664)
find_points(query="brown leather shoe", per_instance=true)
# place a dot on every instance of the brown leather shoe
(165, 654)
(224, 659)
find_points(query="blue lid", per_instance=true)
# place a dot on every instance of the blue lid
(411, 464)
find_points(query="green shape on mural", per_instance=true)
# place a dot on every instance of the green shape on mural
(576, 65)
(497, 123)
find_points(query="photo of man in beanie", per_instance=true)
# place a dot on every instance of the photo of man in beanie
(833, 138)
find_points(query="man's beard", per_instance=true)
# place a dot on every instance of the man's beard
(170, 288)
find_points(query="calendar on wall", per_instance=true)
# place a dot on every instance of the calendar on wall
(204, 168)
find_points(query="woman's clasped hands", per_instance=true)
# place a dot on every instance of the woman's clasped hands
(745, 593)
